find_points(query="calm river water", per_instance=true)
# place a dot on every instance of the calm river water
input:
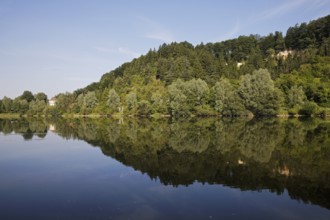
(165, 169)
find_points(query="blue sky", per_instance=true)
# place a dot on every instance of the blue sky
(63, 45)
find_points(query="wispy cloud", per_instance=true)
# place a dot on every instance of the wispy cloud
(119, 50)
(316, 4)
(320, 6)
(126, 51)
(282, 9)
(162, 36)
(156, 31)
(231, 33)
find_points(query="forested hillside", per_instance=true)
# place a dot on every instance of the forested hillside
(262, 75)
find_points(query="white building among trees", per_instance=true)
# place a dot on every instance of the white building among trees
(52, 101)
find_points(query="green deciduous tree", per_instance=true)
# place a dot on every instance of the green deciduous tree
(7, 104)
(226, 100)
(63, 103)
(90, 101)
(197, 92)
(131, 102)
(37, 107)
(28, 96)
(113, 101)
(295, 97)
(158, 103)
(258, 93)
(20, 106)
(41, 96)
(178, 100)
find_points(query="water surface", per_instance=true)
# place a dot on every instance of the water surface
(165, 169)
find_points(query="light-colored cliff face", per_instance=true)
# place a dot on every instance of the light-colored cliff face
(284, 54)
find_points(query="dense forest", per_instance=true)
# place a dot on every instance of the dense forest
(259, 75)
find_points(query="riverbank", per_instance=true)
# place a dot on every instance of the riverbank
(156, 116)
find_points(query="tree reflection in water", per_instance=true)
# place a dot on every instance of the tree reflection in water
(273, 154)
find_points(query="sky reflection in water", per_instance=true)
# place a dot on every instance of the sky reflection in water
(204, 169)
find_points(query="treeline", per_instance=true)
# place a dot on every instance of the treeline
(250, 74)
(25, 104)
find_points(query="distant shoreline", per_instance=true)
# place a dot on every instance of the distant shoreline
(155, 116)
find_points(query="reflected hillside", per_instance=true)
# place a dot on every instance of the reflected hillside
(274, 154)
(269, 154)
